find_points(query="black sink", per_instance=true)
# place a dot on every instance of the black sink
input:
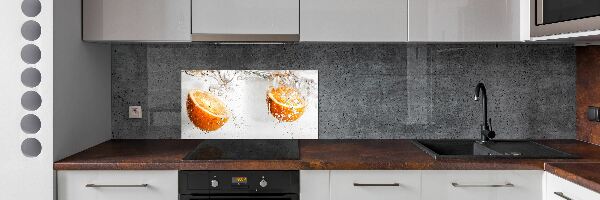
(471, 149)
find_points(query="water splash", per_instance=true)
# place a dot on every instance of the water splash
(307, 87)
(224, 79)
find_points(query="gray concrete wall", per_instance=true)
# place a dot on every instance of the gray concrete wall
(369, 90)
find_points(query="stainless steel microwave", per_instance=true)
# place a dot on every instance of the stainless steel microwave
(553, 17)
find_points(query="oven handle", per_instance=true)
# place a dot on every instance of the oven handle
(286, 196)
(490, 185)
(376, 184)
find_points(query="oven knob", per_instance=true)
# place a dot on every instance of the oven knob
(214, 183)
(263, 183)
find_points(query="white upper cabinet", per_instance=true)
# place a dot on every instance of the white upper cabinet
(307, 20)
(245, 20)
(136, 20)
(468, 20)
(354, 20)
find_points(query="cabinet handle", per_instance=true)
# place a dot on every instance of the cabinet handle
(114, 186)
(491, 185)
(377, 185)
(561, 195)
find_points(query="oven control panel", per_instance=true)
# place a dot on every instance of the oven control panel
(239, 182)
(232, 182)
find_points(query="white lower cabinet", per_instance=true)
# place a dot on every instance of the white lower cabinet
(376, 185)
(117, 185)
(422, 185)
(341, 185)
(314, 184)
(560, 189)
(482, 185)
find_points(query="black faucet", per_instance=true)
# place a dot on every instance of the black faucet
(486, 129)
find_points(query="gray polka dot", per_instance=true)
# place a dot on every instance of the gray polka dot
(31, 100)
(31, 54)
(31, 30)
(31, 77)
(31, 8)
(31, 124)
(31, 147)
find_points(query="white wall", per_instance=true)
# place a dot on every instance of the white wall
(77, 74)
(24, 177)
(82, 89)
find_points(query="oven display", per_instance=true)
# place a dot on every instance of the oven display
(239, 180)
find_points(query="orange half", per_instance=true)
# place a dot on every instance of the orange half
(285, 103)
(206, 111)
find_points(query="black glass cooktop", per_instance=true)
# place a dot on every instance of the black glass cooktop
(245, 150)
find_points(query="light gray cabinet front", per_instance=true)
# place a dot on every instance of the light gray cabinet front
(468, 20)
(245, 20)
(137, 20)
(354, 21)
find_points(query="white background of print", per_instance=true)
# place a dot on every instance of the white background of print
(250, 118)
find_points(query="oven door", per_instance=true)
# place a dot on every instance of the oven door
(552, 17)
(241, 197)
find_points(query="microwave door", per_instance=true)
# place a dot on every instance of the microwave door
(563, 17)
(556, 11)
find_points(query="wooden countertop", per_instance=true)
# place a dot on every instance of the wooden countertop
(314, 154)
(584, 174)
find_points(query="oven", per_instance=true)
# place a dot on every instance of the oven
(238, 185)
(237, 197)
(552, 17)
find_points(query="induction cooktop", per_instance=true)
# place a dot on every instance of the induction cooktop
(245, 150)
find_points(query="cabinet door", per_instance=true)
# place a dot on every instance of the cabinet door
(353, 21)
(379, 185)
(136, 20)
(561, 189)
(314, 184)
(468, 20)
(482, 185)
(245, 17)
(117, 185)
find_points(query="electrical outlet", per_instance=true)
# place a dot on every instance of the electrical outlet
(135, 112)
(593, 114)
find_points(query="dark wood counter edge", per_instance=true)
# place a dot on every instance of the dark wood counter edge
(575, 177)
(210, 165)
(341, 155)
(282, 165)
